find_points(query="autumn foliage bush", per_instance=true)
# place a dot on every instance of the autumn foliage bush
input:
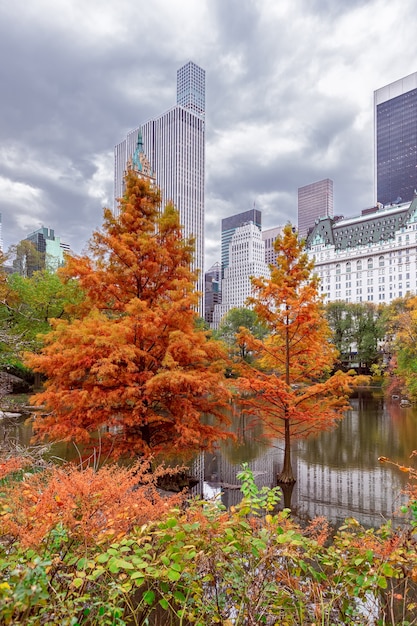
(94, 547)
(92, 505)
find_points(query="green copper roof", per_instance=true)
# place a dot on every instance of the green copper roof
(136, 161)
(369, 228)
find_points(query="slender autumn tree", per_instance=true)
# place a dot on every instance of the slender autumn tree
(289, 385)
(133, 366)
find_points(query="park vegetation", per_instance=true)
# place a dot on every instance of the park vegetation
(85, 546)
(127, 367)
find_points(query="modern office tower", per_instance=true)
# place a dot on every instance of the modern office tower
(314, 201)
(174, 143)
(191, 88)
(395, 141)
(229, 225)
(212, 293)
(269, 236)
(50, 257)
(246, 259)
(372, 257)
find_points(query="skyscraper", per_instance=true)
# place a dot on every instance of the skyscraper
(246, 259)
(269, 236)
(395, 141)
(314, 201)
(229, 225)
(212, 293)
(174, 143)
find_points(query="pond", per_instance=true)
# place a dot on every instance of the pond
(338, 473)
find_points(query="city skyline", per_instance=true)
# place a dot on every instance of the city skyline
(280, 112)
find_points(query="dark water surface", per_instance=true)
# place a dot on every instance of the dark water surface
(338, 473)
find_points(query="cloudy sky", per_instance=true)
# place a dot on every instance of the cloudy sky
(289, 90)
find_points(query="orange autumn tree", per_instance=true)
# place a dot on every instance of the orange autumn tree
(133, 366)
(289, 386)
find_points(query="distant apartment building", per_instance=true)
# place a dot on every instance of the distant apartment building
(395, 141)
(372, 257)
(174, 143)
(212, 293)
(246, 259)
(269, 236)
(314, 201)
(229, 226)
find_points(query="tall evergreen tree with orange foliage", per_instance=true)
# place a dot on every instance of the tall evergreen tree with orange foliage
(289, 384)
(133, 366)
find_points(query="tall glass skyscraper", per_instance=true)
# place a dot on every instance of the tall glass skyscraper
(174, 143)
(395, 143)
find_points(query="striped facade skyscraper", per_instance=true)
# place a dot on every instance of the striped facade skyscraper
(174, 143)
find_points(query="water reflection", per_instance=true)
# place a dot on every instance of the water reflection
(338, 474)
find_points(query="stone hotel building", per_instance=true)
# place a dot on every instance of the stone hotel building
(367, 258)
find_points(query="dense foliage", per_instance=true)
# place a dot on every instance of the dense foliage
(133, 364)
(26, 306)
(357, 332)
(228, 331)
(101, 554)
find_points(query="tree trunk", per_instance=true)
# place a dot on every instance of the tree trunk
(287, 489)
(287, 476)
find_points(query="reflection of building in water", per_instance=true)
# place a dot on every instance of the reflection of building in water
(338, 474)
(371, 496)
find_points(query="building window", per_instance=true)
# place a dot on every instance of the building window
(370, 264)
(338, 268)
(381, 261)
(348, 267)
(358, 265)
